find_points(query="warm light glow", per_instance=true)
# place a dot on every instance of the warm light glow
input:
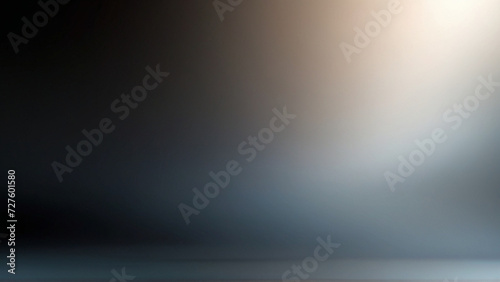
(453, 13)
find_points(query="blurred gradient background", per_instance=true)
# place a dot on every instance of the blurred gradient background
(323, 175)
